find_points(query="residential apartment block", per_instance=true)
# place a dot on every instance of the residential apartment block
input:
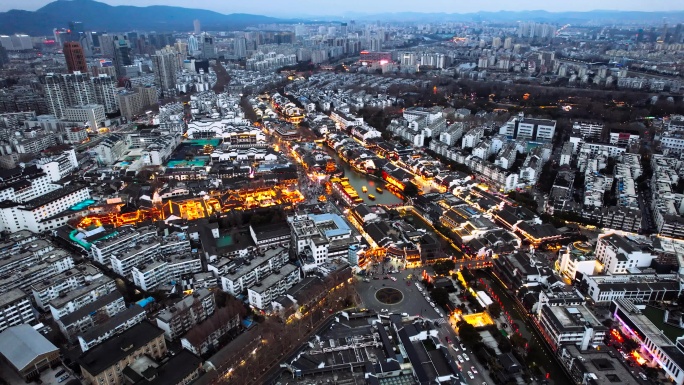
(15, 309)
(180, 317)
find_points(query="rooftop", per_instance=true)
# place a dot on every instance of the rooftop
(273, 278)
(118, 347)
(21, 344)
(51, 196)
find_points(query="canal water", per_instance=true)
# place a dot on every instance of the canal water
(358, 180)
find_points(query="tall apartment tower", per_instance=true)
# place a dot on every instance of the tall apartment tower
(164, 65)
(78, 89)
(207, 47)
(104, 87)
(122, 55)
(75, 57)
(198, 26)
(240, 47)
(107, 45)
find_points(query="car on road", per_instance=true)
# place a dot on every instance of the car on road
(470, 374)
(465, 356)
(63, 378)
(463, 347)
(393, 279)
(439, 313)
(473, 369)
(456, 349)
(432, 304)
(383, 311)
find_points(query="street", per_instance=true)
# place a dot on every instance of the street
(414, 303)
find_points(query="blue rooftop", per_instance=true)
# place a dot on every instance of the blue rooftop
(340, 225)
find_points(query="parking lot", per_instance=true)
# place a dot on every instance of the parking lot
(48, 377)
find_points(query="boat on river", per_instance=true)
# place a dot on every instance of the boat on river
(364, 189)
(379, 190)
(371, 197)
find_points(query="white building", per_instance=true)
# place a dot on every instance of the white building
(573, 261)
(69, 302)
(575, 325)
(262, 294)
(163, 272)
(41, 214)
(45, 291)
(618, 254)
(60, 166)
(92, 114)
(238, 278)
(15, 309)
(472, 138)
(519, 127)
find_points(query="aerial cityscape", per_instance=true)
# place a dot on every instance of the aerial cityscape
(378, 193)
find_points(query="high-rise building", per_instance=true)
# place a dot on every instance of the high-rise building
(208, 51)
(4, 58)
(240, 47)
(75, 57)
(16, 42)
(300, 30)
(107, 45)
(164, 65)
(677, 35)
(198, 26)
(343, 29)
(104, 87)
(78, 89)
(508, 43)
(193, 45)
(122, 55)
(132, 38)
(75, 30)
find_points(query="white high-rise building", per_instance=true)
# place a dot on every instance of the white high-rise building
(240, 47)
(193, 44)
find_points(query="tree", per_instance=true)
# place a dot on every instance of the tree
(467, 275)
(518, 340)
(494, 309)
(443, 267)
(411, 190)
(468, 334)
(440, 296)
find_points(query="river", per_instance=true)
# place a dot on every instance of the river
(358, 180)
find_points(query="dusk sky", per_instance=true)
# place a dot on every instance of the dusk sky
(339, 8)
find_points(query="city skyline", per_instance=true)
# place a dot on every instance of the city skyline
(310, 8)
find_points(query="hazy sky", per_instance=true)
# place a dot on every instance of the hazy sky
(294, 8)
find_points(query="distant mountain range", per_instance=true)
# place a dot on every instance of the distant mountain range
(583, 18)
(97, 16)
